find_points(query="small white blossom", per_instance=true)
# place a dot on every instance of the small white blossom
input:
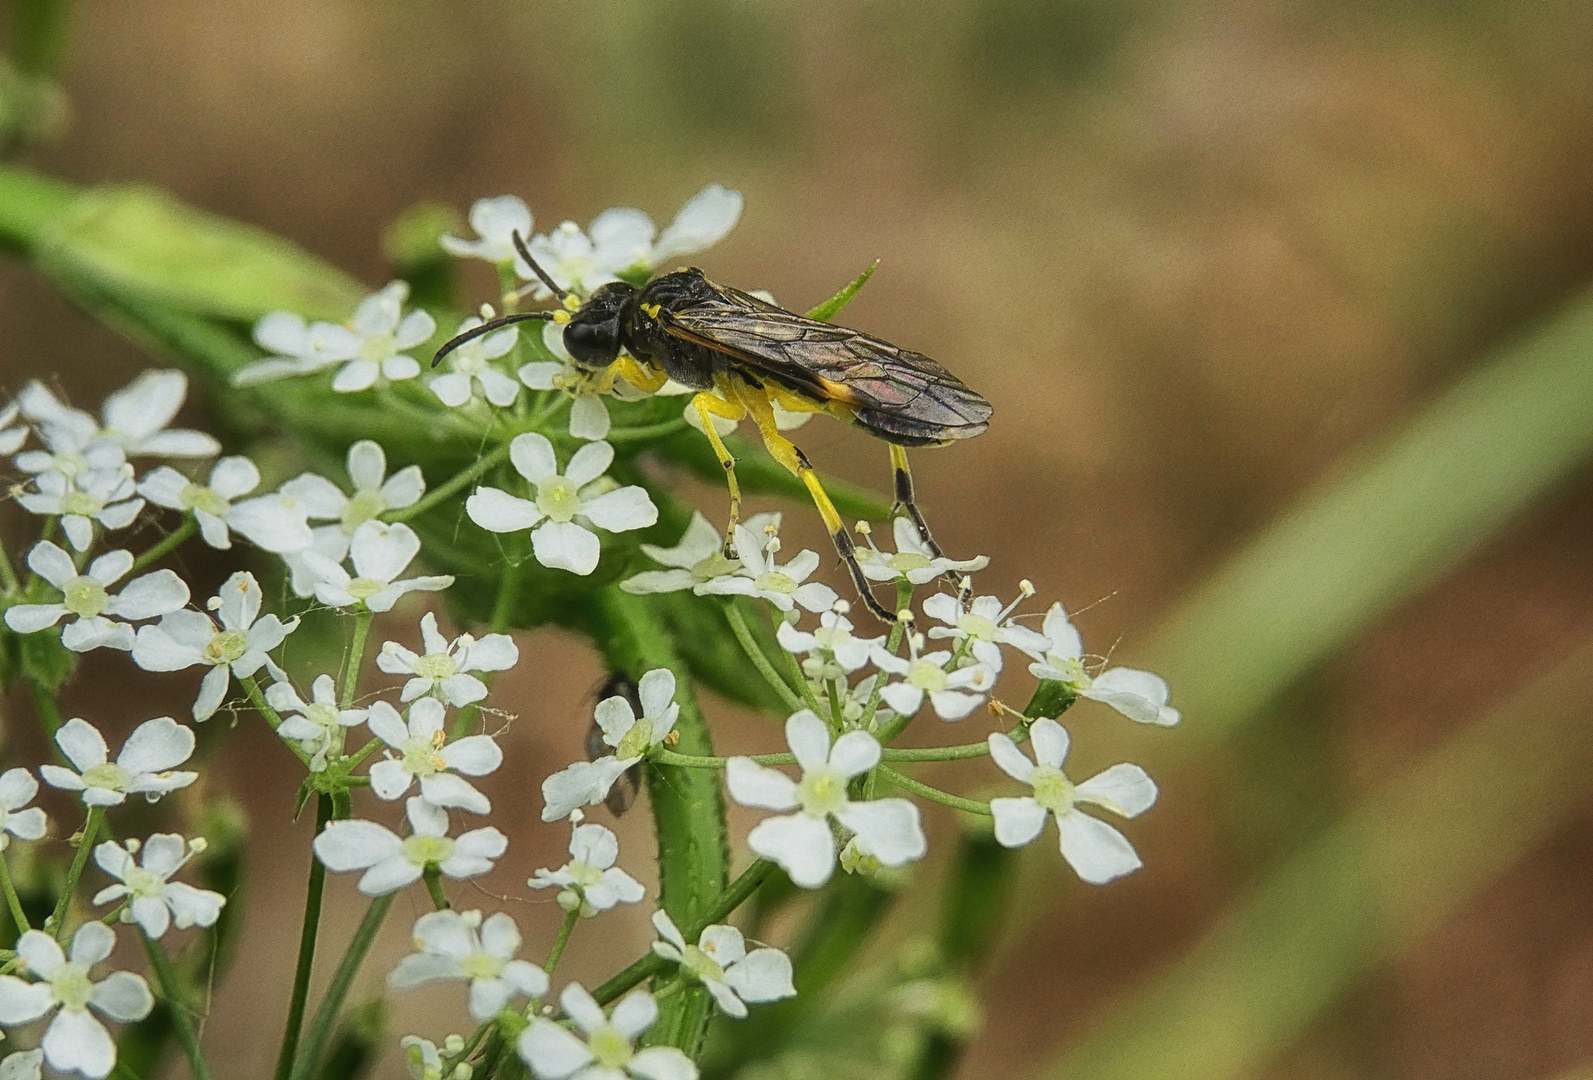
(293, 347)
(375, 493)
(143, 874)
(720, 961)
(952, 694)
(608, 1051)
(762, 575)
(461, 945)
(380, 552)
(1136, 694)
(470, 369)
(854, 703)
(913, 559)
(832, 651)
(424, 754)
(87, 596)
(983, 625)
(22, 1065)
(317, 725)
(185, 639)
(76, 1041)
(566, 507)
(105, 496)
(268, 523)
(12, 434)
(144, 766)
(373, 345)
(134, 419)
(17, 789)
(495, 220)
(423, 1060)
(391, 861)
(444, 669)
(590, 882)
(1095, 850)
(802, 843)
(698, 558)
(586, 783)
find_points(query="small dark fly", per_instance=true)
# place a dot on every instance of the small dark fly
(743, 356)
(623, 794)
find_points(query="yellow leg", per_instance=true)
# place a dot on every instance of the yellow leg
(646, 378)
(709, 406)
(903, 478)
(787, 453)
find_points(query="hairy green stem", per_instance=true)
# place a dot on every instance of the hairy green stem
(924, 791)
(343, 978)
(356, 655)
(13, 901)
(91, 828)
(738, 625)
(166, 978)
(566, 928)
(171, 542)
(453, 485)
(313, 894)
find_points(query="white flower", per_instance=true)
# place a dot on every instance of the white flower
(952, 694)
(317, 725)
(87, 596)
(12, 438)
(424, 754)
(155, 900)
(294, 348)
(76, 1041)
(391, 861)
(698, 558)
(1136, 694)
(621, 239)
(854, 703)
(495, 220)
(590, 882)
(470, 367)
(586, 783)
(375, 493)
(444, 669)
(913, 559)
(721, 962)
(133, 418)
(802, 843)
(17, 789)
(380, 553)
(102, 495)
(72, 446)
(1098, 852)
(184, 639)
(983, 625)
(22, 1065)
(568, 507)
(373, 345)
(833, 652)
(460, 945)
(608, 1051)
(761, 575)
(267, 522)
(144, 767)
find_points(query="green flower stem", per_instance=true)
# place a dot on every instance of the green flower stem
(8, 573)
(13, 901)
(924, 791)
(337, 990)
(566, 928)
(645, 432)
(308, 932)
(91, 828)
(176, 1006)
(929, 753)
(173, 540)
(738, 625)
(256, 698)
(697, 761)
(356, 655)
(49, 712)
(453, 485)
(797, 678)
(433, 879)
(734, 895)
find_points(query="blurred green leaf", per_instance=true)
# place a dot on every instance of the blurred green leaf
(1372, 885)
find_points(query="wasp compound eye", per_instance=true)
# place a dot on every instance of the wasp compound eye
(593, 344)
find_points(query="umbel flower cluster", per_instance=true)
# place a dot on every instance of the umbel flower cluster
(551, 516)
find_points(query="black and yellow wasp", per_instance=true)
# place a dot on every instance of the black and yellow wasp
(743, 356)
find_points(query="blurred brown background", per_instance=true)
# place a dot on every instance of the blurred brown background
(1192, 251)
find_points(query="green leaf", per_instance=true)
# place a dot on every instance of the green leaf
(832, 307)
(140, 240)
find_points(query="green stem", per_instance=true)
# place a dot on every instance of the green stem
(91, 828)
(453, 485)
(160, 963)
(924, 791)
(13, 901)
(645, 432)
(356, 654)
(49, 712)
(797, 678)
(566, 928)
(433, 879)
(251, 688)
(8, 573)
(960, 752)
(308, 932)
(337, 990)
(738, 625)
(172, 541)
(734, 895)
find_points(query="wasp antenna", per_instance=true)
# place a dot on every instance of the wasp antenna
(542, 275)
(488, 327)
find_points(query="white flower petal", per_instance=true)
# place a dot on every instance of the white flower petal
(1095, 850)
(566, 546)
(622, 509)
(890, 828)
(533, 457)
(802, 845)
(1050, 741)
(1124, 789)
(498, 511)
(76, 1042)
(756, 785)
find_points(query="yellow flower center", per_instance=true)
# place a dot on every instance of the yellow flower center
(85, 597)
(481, 965)
(1052, 790)
(71, 986)
(926, 676)
(424, 850)
(364, 506)
(363, 588)
(558, 498)
(822, 791)
(226, 647)
(610, 1046)
(108, 775)
(637, 741)
(437, 665)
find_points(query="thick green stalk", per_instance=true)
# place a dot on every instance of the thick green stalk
(308, 932)
(171, 989)
(433, 879)
(337, 990)
(91, 828)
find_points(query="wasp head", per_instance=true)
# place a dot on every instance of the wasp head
(592, 335)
